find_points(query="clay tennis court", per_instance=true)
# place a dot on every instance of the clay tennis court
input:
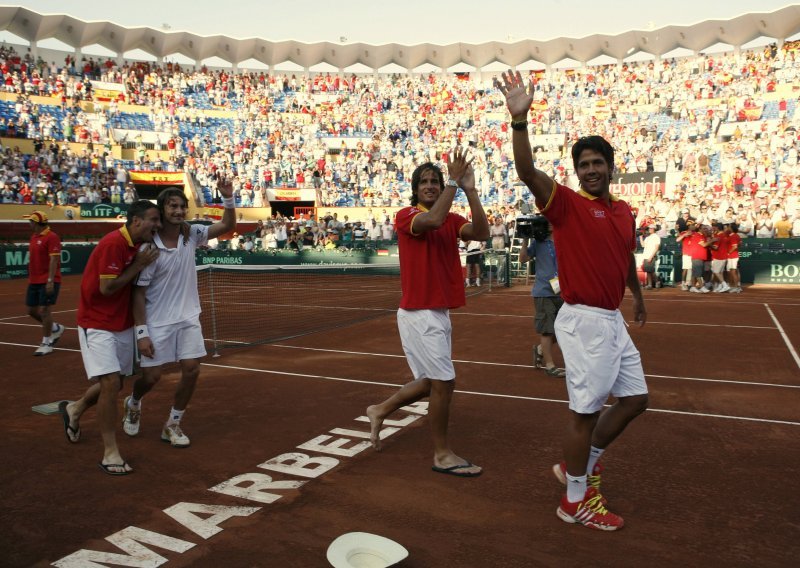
(704, 478)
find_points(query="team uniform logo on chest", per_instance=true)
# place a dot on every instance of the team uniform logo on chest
(598, 213)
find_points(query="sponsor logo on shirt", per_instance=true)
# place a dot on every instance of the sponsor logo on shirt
(599, 213)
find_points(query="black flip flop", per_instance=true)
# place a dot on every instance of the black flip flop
(106, 467)
(73, 434)
(455, 470)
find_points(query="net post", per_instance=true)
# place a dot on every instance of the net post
(213, 311)
(507, 267)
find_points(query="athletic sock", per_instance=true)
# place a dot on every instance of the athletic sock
(134, 404)
(55, 326)
(175, 416)
(594, 457)
(47, 340)
(576, 488)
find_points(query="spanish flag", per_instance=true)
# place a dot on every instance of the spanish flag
(156, 178)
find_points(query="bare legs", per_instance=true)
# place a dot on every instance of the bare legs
(190, 371)
(547, 342)
(440, 393)
(103, 393)
(43, 315)
(598, 430)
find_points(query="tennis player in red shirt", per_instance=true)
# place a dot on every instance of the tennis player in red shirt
(430, 274)
(105, 325)
(44, 279)
(595, 238)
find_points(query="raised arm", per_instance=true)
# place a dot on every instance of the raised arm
(460, 169)
(518, 100)
(228, 221)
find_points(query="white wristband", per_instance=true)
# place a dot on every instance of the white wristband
(141, 332)
(228, 203)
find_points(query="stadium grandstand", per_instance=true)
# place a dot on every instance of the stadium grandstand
(714, 133)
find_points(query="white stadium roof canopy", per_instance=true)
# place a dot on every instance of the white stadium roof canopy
(35, 27)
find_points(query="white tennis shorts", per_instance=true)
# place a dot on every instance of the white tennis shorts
(105, 352)
(733, 263)
(600, 357)
(686, 263)
(718, 266)
(175, 342)
(426, 337)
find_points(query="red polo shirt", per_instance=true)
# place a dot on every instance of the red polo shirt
(43, 246)
(430, 269)
(594, 241)
(694, 248)
(734, 239)
(721, 252)
(109, 259)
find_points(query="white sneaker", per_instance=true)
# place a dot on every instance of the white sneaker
(704, 290)
(44, 349)
(56, 335)
(694, 289)
(685, 287)
(173, 434)
(725, 287)
(132, 418)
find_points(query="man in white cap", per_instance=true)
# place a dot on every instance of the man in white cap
(44, 279)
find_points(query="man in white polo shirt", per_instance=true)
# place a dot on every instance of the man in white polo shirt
(166, 309)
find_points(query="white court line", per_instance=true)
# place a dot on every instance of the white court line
(783, 334)
(698, 379)
(495, 314)
(27, 316)
(496, 395)
(465, 361)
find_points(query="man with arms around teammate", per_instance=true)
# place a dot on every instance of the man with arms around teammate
(105, 326)
(595, 236)
(44, 279)
(430, 274)
(166, 309)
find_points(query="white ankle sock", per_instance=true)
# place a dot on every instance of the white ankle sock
(134, 404)
(175, 416)
(594, 457)
(576, 488)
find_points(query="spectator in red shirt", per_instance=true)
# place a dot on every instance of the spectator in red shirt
(105, 326)
(719, 258)
(44, 279)
(430, 274)
(595, 236)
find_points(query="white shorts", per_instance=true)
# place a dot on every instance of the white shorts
(686, 264)
(600, 357)
(105, 352)
(175, 342)
(718, 266)
(426, 338)
(733, 263)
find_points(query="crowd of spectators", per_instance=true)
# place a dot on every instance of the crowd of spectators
(723, 125)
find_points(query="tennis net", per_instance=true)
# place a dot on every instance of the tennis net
(251, 305)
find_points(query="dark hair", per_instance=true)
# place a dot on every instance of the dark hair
(596, 143)
(164, 196)
(417, 175)
(138, 209)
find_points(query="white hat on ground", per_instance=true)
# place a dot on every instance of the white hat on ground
(364, 550)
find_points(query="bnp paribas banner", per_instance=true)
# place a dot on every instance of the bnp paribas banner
(103, 210)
